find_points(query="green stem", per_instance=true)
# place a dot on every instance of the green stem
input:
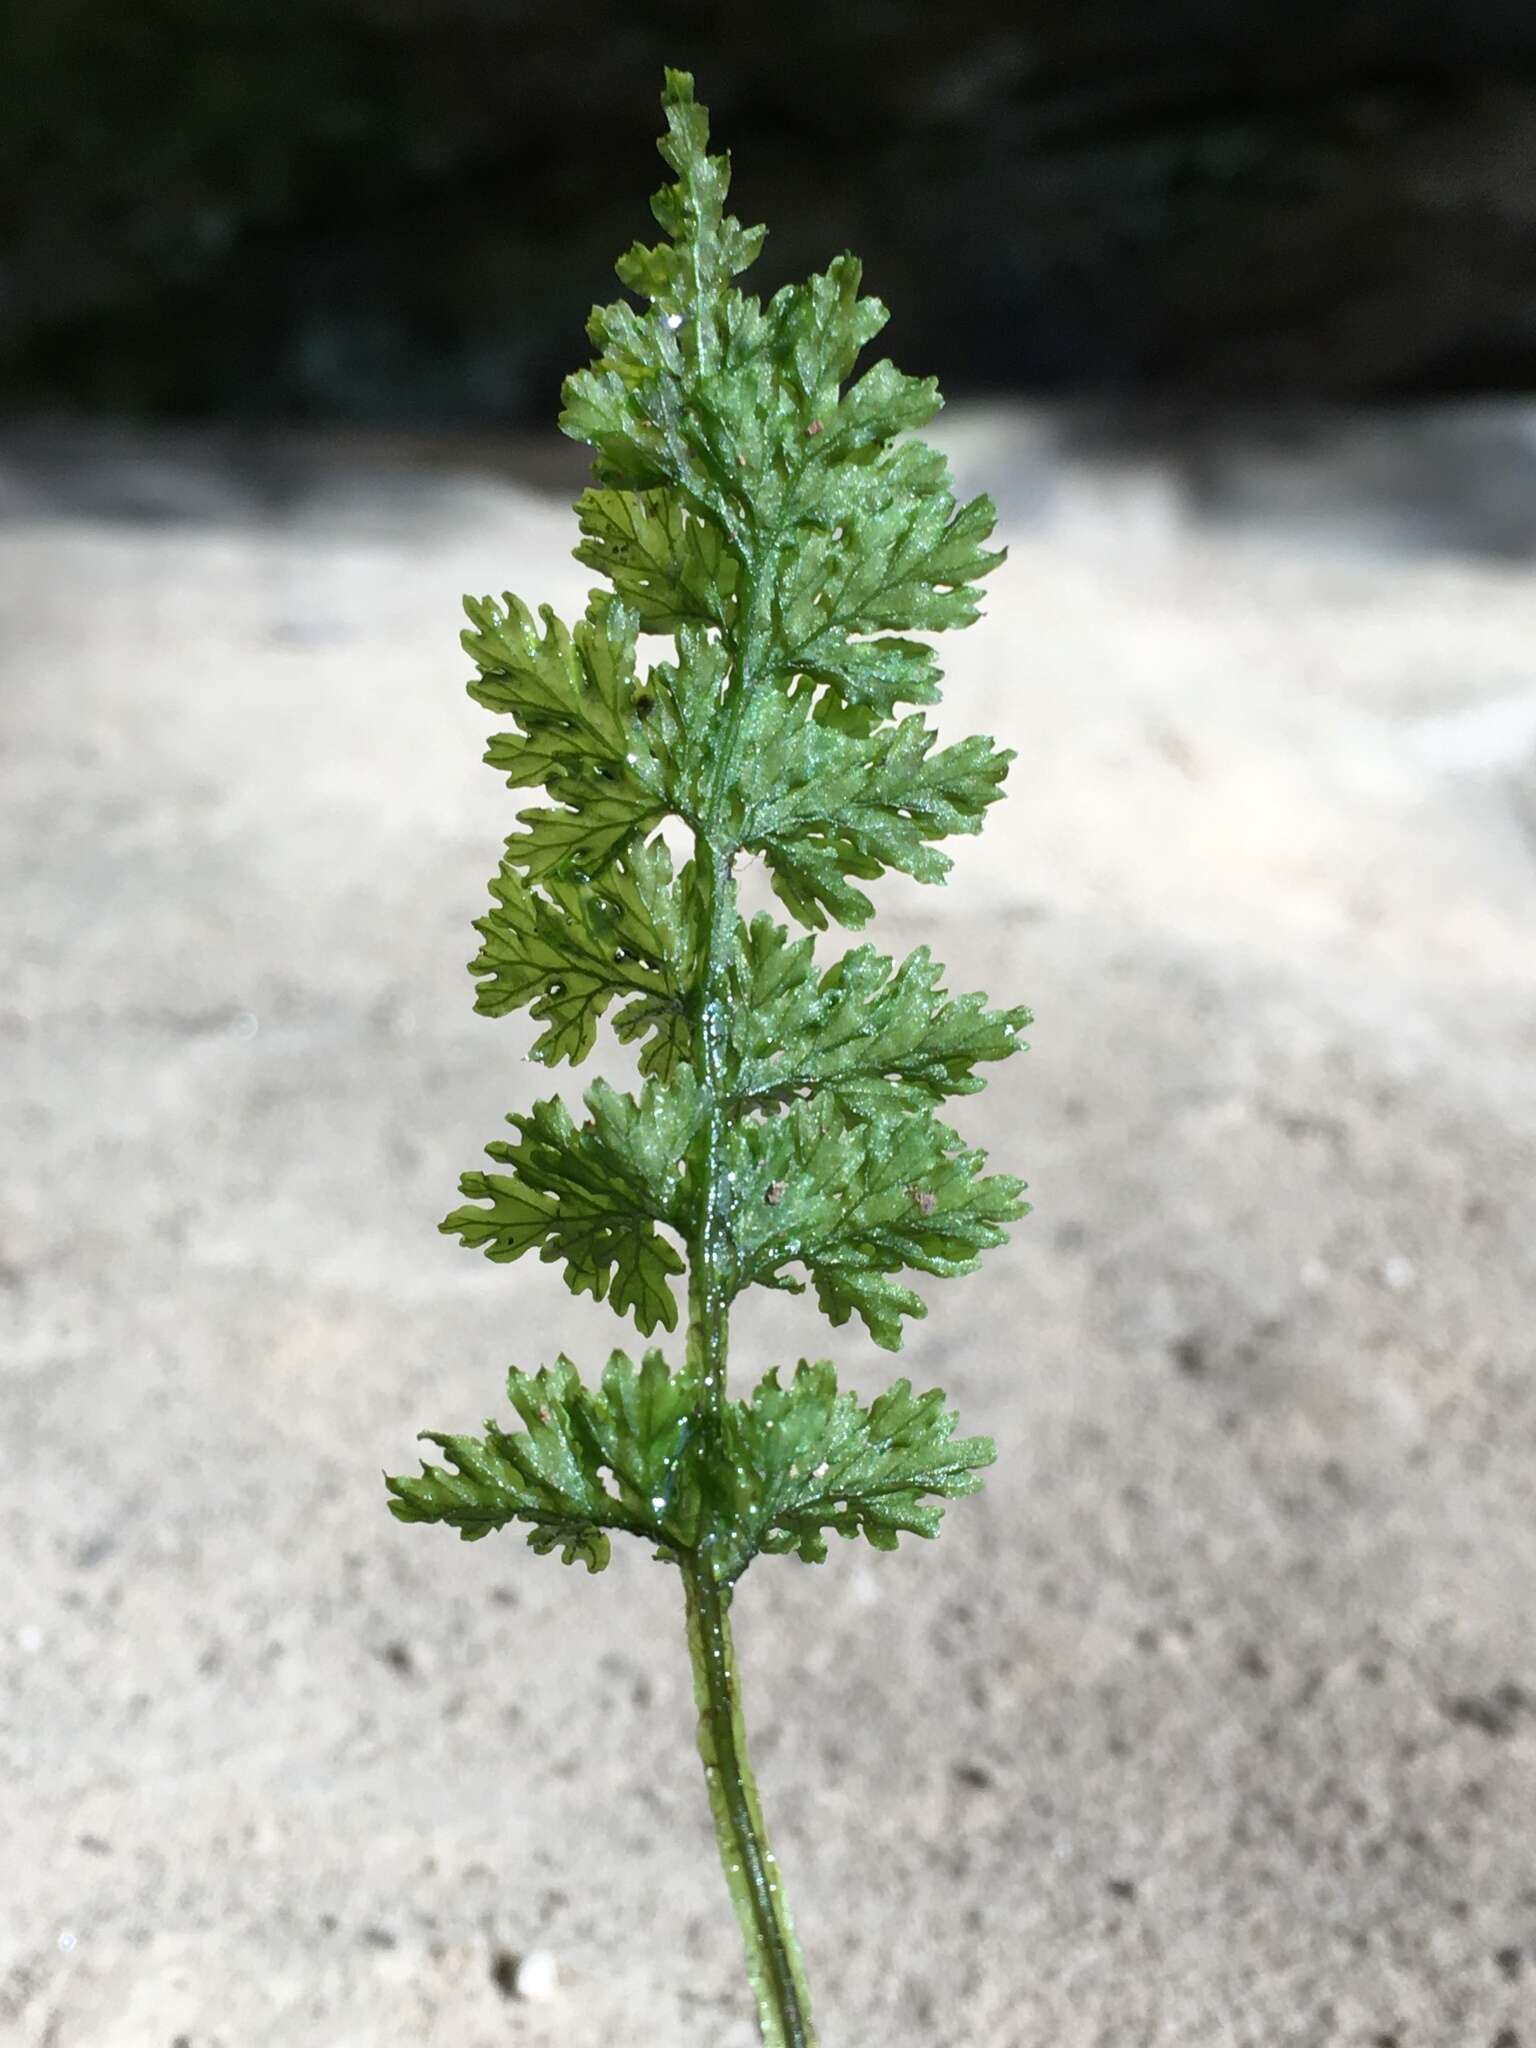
(709, 1251)
(773, 1954)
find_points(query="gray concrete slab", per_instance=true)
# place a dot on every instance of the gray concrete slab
(1213, 1721)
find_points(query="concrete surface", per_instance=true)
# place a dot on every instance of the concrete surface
(1213, 1721)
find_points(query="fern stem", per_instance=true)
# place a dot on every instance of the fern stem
(709, 1250)
(774, 1965)
(773, 1954)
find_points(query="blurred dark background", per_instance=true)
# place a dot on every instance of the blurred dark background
(399, 213)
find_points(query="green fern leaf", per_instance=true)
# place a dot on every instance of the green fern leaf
(779, 1472)
(567, 950)
(586, 1462)
(824, 804)
(760, 499)
(802, 1460)
(875, 1035)
(669, 566)
(572, 697)
(855, 1200)
(593, 1196)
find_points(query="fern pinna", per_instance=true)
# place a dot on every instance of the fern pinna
(775, 522)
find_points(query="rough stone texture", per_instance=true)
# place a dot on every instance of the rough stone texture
(1213, 1721)
(384, 211)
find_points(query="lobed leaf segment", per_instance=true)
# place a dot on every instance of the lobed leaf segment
(783, 1469)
